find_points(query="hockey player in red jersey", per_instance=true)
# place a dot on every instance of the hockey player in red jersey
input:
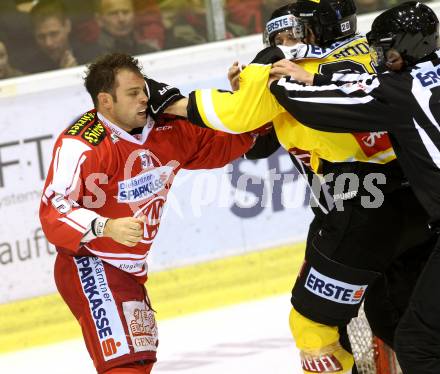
(102, 203)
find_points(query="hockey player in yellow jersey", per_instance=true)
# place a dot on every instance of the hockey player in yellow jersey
(245, 111)
(347, 252)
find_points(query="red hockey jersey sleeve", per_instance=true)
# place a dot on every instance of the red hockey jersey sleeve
(207, 149)
(63, 217)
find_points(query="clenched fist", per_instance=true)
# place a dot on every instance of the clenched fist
(127, 231)
(160, 96)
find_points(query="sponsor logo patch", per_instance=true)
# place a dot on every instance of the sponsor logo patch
(429, 78)
(372, 143)
(345, 196)
(79, 125)
(94, 133)
(141, 325)
(280, 23)
(163, 128)
(103, 307)
(334, 290)
(143, 186)
(321, 364)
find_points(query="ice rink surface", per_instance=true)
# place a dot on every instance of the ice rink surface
(249, 338)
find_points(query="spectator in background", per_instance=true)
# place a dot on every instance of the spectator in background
(116, 19)
(185, 22)
(246, 17)
(52, 30)
(6, 70)
(149, 27)
(85, 29)
(16, 32)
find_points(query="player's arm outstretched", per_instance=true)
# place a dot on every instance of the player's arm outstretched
(206, 149)
(247, 109)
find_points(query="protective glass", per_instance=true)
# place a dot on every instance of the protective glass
(299, 29)
(377, 54)
(379, 46)
(285, 38)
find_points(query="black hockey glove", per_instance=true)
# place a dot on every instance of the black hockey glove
(160, 96)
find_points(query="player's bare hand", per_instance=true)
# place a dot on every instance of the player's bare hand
(234, 75)
(285, 67)
(127, 231)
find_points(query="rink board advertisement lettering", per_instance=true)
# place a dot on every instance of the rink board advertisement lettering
(243, 207)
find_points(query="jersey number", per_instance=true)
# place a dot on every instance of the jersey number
(342, 67)
(61, 204)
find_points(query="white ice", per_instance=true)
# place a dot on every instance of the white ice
(249, 338)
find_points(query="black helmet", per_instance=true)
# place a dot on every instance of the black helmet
(280, 20)
(329, 20)
(410, 28)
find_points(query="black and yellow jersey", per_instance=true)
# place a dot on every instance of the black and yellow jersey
(253, 105)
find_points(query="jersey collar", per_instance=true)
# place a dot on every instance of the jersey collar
(122, 134)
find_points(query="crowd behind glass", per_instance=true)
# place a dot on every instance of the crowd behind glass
(42, 35)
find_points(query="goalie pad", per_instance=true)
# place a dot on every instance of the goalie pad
(329, 292)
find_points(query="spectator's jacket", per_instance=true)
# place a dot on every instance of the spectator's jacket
(129, 44)
(39, 61)
(253, 105)
(99, 169)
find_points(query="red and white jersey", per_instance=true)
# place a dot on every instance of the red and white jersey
(99, 169)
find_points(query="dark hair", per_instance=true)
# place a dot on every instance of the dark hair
(45, 9)
(101, 74)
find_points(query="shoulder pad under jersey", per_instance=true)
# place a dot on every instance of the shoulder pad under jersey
(89, 128)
